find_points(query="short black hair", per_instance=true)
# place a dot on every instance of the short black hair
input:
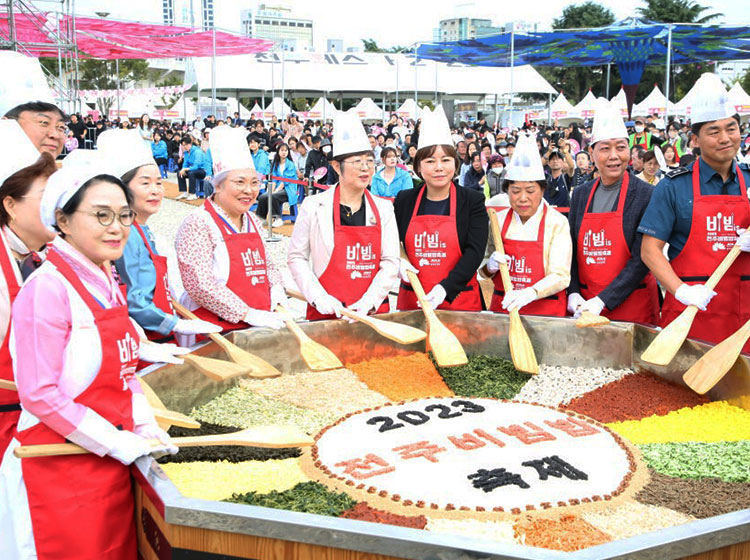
(187, 139)
(35, 107)
(696, 128)
(554, 154)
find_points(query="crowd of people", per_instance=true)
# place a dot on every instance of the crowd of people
(85, 298)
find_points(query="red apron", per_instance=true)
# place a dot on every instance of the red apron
(248, 276)
(712, 235)
(10, 408)
(432, 246)
(355, 260)
(603, 253)
(162, 296)
(82, 506)
(526, 269)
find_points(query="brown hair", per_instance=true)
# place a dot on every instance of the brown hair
(428, 151)
(17, 185)
(648, 156)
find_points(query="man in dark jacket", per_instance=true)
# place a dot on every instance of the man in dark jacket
(315, 157)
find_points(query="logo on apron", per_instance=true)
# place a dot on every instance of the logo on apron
(595, 247)
(360, 260)
(128, 350)
(429, 248)
(255, 266)
(720, 232)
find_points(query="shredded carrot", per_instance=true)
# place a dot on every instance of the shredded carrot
(568, 533)
(402, 377)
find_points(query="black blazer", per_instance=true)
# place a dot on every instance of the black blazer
(632, 275)
(472, 226)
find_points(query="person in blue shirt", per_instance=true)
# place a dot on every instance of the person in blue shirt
(391, 179)
(143, 271)
(260, 157)
(205, 188)
(192, 169)
(283, 191)
(159, 151)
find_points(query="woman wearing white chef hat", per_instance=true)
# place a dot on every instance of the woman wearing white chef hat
(344, 246)
(25, 97)
(223, 262)
(141, 267)
(443, 228)
(75, 352)
(23, 176)
(536, 239)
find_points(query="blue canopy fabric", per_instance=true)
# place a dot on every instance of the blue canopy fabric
(631, 44)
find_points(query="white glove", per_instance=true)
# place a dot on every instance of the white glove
(595, 306)
(128, 446)
(516, 299)
(195, 326)
(436, 296)
(278, 297)
(328, 305)
(575, 300)
(361, 307)
(697, 295)
(260, 318)
(153, 431)
(404, 267)
(162, 353)
(744, 239)
(496, 260)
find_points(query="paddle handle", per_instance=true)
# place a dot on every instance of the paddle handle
(295, 294)
(352, 315)
(8, 385)
(291, 325)
(216, 337)
(419, 292)
(498, 239)
(727, 262)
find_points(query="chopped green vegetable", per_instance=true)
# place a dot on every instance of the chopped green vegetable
(727, 461)
(307, 497)
(484, 376)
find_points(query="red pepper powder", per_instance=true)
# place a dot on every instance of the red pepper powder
(363, 512)
(568, 533)
(634, 397)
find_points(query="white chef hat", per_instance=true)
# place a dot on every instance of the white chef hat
(711, 100)
(23, 81)
(229, 151)
(78, 167)
(349, 136)
(18, 151)
(435, 130)
(526, 163)
(608, 123)
(123, 150)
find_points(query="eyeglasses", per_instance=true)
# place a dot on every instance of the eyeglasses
(106, 217)
(46, 125)
(366, 163)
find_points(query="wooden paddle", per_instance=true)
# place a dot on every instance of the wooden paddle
(273, 437)
(714, 364)
(403, 334)
(259, 368)
(316, 356)
(162, 415)
(521, 350)
(218, 370)
(445, 346)
(588, 319)
(664, 347)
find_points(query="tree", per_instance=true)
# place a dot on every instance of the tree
(371, 45)
(101, 74)
(675, 11)
(588, 14)
(744, 80)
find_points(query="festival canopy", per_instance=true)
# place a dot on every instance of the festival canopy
(654, 104)
(631, 44)
(740, 99)
(277, 107)
(112, 39)
(620, 101)
(322, 109)
(368, 110)
(563, 111)
(408, 110)
(256, 112)
(587, 107)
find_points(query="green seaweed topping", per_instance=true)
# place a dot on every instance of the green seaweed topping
(484, 376)
(728, 461)
(307, 497)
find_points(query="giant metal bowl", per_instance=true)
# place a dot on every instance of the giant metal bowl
(171, 526)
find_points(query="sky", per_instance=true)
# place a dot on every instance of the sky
(393, 23)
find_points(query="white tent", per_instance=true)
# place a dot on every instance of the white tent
(682, 107)
(563, 111)
(587, 106)
(368, 110)
(621, 102)
(407, 110)
(654, 104)
(256, 112)
(322, 109)
(740, 99)
(181, 106)
(136, 105)
(277, 107)
(244, 112)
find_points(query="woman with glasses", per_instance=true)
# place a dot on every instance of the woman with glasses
(75, 352)
(141, 268)
(443, 228)
(221, 253)
(23, 239)
(344, 246)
